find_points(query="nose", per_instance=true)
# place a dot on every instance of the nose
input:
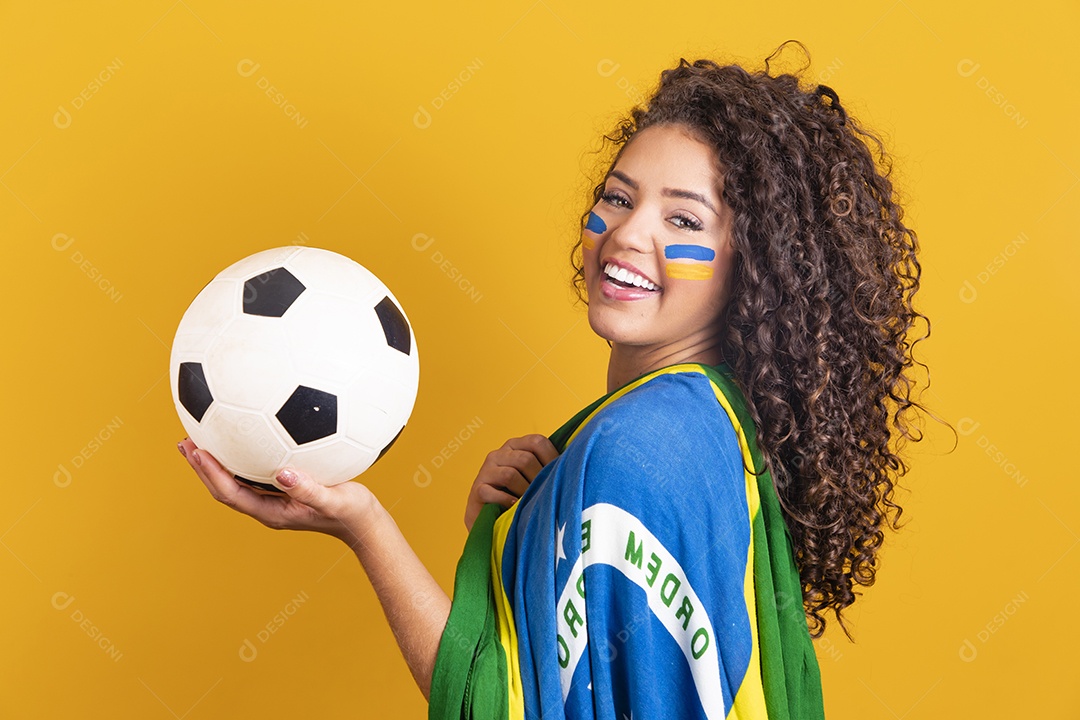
(632, 231)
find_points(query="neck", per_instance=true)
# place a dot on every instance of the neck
(631, 361)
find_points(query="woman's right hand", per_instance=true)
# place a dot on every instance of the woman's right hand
(338, 510)
(507, 472)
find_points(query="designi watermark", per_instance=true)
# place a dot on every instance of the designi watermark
(249, 650)
(62, 476)
(421, 242)
(422, 477)
(247, 68)
(967, 426)
(968, 291)
(62, 117)
(830, 70)
(422, 118)
(607, 68)
(62, 601)
(969, 650)
(61, 243)
(967, 68)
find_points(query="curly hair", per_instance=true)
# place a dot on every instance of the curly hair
(820, 328)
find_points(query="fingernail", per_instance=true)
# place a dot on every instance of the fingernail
(287, 478)
(180, 447)
(196, 458)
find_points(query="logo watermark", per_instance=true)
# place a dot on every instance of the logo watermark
(421, 242)
(967, 68)
(829, 650)
(968, 650)
(62, 476)
(968, 292)
(61, 242)
(830, 70)
(423, 117)
(62, 601)
(607, 68)
(249, 650)
(247, 68)
(967, 426)
(422, 476)
(62, 117)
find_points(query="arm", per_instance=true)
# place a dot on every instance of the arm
(415, 605)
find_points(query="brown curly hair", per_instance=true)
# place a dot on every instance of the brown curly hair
(820, 328)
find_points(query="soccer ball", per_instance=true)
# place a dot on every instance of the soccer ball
(298, 357)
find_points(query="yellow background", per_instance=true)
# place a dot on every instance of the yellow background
(178, 164)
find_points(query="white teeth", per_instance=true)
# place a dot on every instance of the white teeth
(623, 275)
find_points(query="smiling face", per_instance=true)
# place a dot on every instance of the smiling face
(664, 232)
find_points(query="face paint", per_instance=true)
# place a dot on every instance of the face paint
(685, 271)
(689, 271)
(594, 225)
(689, 252)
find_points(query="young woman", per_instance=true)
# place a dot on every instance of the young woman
(671, 549)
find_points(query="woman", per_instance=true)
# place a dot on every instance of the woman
(670, 550)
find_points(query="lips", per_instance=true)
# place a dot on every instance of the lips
(622, 286)
(626, 275)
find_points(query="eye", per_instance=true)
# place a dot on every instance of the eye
(613, 198)
(691, 223)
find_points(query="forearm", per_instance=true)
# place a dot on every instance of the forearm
(415, 605)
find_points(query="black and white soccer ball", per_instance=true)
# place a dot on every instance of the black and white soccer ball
(298, 357)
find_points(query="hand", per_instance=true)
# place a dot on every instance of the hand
(337, 510)
(507, 472)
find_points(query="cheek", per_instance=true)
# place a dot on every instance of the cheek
(594, 228)
(689, 262)
(699, 300)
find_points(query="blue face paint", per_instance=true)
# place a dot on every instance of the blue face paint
(596, 223)
(689, 252)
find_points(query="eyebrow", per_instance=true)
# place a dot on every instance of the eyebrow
(669, 192)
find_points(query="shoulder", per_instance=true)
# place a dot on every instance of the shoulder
(670, 407)
(668, 432)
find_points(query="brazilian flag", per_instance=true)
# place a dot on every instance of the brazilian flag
(645, 573)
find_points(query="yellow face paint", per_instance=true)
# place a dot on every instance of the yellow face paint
(685, 271)
(587, 242)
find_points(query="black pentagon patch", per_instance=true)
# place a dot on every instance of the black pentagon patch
(383, 451)
(271, 293)
(193, 391)
(309, 415)
(266, 487)
(394, 326)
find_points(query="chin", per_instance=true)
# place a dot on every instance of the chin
(596, 322)
(599, 330)
(612, 329)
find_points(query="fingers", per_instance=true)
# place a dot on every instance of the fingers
(507, 473)
(539, 445)
(527, 455)
(483, 495)
(491, 494)
(303, 489)
(305, 504)
(507, 479)
(221, 484)
(522, 462)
